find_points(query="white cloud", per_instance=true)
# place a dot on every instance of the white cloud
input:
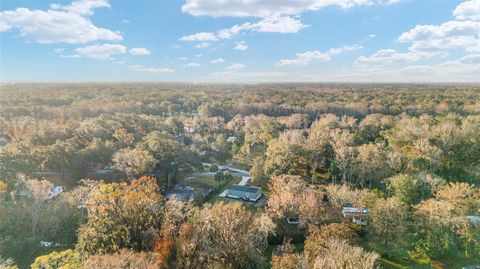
(449, 71)
(278, 24)
(217, 61)
(82, 7)
(469, 10)
(192, 65)
(102, 52)
(305, 58)
(59, 50)
(271, 24)
(139, 51)
(461, 33)
(448, 35)
(470, 59)
(372, 35)
(141, 68)
(182, 58)
(308, 56)
(198, 55)
(228, 33)
(202, 45)
(427, 41)
(70, 56)
(67, 24)
(125, 21)
(241, 45)
(262, 8)
(201, 37)
(236, 66)
(389, 56)
(119, 62)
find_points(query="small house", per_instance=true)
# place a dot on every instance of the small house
(357, 215)
(350, 212)
(248, 193)
(293, 220)
(232, 139)
(55, 191)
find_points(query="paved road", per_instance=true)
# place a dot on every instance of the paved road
(237, 172)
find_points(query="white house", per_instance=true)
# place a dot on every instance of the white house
(232, 139)
(249, 193)
(357, 215)
(55, 191)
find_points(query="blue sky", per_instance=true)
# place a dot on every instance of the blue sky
(241, 41)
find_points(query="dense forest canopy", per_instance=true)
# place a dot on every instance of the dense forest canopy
(409, 155)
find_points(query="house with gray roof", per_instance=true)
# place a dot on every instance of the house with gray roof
(248, 193)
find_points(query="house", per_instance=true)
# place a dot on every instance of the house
(232, 139)
(55, 191)
(293, 220)
(350, 212)
(360, 221)
(357, 215)
(249, 193)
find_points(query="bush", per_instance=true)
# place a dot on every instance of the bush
(67, 259)
(213, 168)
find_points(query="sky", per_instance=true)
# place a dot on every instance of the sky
(240, 40)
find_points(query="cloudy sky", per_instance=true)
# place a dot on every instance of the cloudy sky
(240, 40)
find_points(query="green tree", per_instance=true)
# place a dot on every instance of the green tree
(67, 259)
(388, 224)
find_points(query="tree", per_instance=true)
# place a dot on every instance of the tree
(319, 238)
(123, 259)
(67, 259)
(58, 156)
(388, 224)
(411, 189)
(134, 162)
(372, 165)
(7, 263)
(171, 157)
(224, 235)
(341, 255)
(256, 172)
(39, 191)
(223, 176)
(3, 187)
(286, 257)
(342, 145)
(406, 188)
(441, 225)
(285, 195)
(286, 157)
(122, 216)
(330, 246)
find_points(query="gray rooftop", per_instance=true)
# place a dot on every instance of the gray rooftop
(250, 189)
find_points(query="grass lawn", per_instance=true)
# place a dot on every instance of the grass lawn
(213, 196)
(455, 260)
(210, 181)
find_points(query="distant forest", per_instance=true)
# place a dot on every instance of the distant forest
(406, 156)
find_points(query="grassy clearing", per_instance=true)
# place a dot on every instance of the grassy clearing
(210, 181)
